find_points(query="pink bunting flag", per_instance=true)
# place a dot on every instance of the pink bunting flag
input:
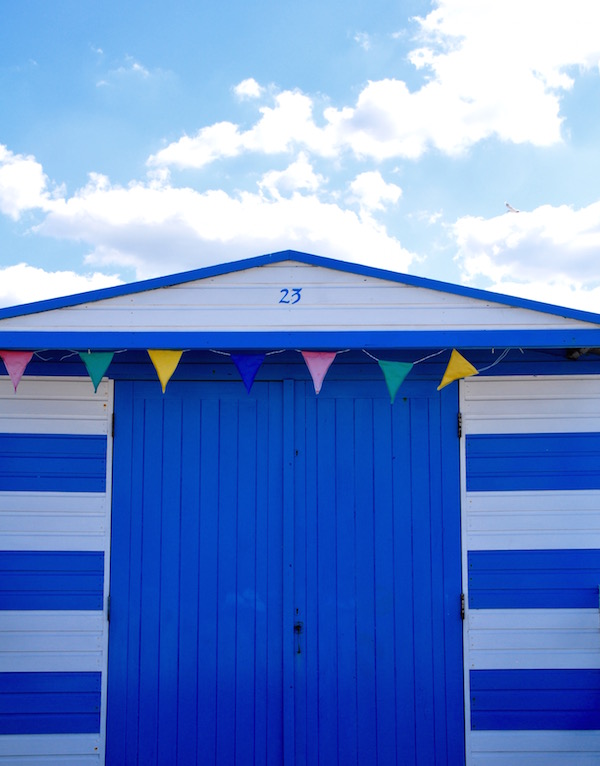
(16, 362)
(248, 365)
(318, 362)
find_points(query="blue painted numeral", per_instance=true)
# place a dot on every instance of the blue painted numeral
(290, 296)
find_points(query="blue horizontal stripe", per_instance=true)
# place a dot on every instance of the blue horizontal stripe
(540, 579)
(51, 580)
(535, 699)
(52, 463)
(49, 703)
(105, 340)
(533, 461)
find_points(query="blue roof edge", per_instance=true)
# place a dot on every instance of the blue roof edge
(293, 255)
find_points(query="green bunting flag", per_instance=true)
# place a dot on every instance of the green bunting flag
(96, 364)
(394, 373)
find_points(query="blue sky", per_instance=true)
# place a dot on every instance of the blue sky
(138, 139)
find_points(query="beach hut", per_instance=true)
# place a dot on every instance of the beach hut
(291, 510)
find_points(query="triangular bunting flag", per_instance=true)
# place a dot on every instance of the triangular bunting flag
(165, 363)
(16, 362)
(318, 362)
(248, 365)
(394, 373)
(96, 364)
(458, 367)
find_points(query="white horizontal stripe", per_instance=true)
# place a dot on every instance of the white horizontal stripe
(532, 520)
(534, 748)
(49, 406)
(54, 521)
(501, 639)
(51, 749)
(531, 405)
(52, 641)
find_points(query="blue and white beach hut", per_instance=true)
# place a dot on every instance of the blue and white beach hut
(243, 570)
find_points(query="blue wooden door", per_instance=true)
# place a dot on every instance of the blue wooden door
(375, 587)
(285, 576)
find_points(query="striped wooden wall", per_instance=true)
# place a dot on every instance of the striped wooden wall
(55, 468)
(531, 569)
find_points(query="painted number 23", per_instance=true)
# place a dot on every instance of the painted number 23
(290, 295)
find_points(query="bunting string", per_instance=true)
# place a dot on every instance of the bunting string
(165, 362)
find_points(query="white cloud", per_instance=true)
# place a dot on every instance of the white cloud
(372, 192)
(550, 253)
(23, 284)
(297, 176)
(491, 70)
(248, 89)
(223, 139)
(23, 184)
(156, 228)
(287, 124)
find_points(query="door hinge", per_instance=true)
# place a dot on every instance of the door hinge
(459, 423)
(462, 606)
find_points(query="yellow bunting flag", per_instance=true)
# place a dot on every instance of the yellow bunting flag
(458, 367)
(165, 363)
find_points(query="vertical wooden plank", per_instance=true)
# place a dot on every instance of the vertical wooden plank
(187, 701)
(175, 465)
(134, 631)
(327, 593)
(404, 584)
(384, 585)
(439, 670)
(208, 562)
(346, 580)
(420, 435)
(365, 583)
(300, 573)
(453, 625)
(150, 584)
(122, 564)
(226, 588)
(288, 573)
(275, 488)
(311, 632)
(246, 596)
(266, 592)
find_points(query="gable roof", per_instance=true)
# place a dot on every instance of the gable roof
(287, 298)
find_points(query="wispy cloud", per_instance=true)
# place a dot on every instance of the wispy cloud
(129, 69)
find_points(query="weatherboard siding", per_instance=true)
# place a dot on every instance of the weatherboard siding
(54, 533)
(314, 298)
(531, 568)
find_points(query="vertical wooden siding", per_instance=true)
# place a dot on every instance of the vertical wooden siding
(238, 517)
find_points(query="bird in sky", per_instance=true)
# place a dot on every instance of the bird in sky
(511, 209)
